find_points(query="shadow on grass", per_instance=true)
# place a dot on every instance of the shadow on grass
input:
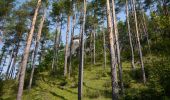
(54, 94)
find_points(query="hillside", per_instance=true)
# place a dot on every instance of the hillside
(96, 85)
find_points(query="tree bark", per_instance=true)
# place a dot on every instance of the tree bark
(115, 89)
(138, 41)
(130, 37)
(94, 47)
(26, 53)
(104, 48)
(2, 55)
(9, 65)
(42, 51)
(91, 48)
(36, 48)
(81, 62)
(57, 43)
(71, 42)
(66, 47)
(15, 59)
(1, 58)
(54, 52)
(145, 30)
(19, 69)
(59, 40)
(117, 47)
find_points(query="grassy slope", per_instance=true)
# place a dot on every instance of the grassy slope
(97, 86)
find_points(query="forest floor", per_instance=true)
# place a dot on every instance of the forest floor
(96, 86)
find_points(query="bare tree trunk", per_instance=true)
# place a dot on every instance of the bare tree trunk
(130, 37)
(26, 53)
(9, 65)
(4, 63)
(1, 58)
(80, 38)
(59, 40)
(91, 48)
(117, 47)
(94, 47)
(104, 47)
(57, 44)
(36, 48)
(66, 47)
(15, 59)
(30, 61)
(115, 90)
(54, 51)
(42, 51)
(2, 55)
(71, 42)
(81, 62)
(146, 31)
(19, 70)
(138, 41)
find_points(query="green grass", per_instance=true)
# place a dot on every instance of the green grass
(96, 86)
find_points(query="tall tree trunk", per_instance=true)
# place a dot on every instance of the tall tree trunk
(91, 48)
(10, 62)
(117, 47)
(54, 52)
(4, 62)
(130, 36)
(36, 48)
(42, 51)
(26, 53)
(2, 55)
(80, 38)
(30, 60)
(138, 41)
(104, 47)
(113, 61)
(15, 59)
(56, 47)
(81, 62)
(145, 30)
(94, 46)
(66, 47)
(1, 58)
(59, 41)
(56, 44)
(71, 41)
(19, 69)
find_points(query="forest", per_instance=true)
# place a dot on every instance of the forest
(84, 49)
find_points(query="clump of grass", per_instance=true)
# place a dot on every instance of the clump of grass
(100, 74)
(104, 74)
(107, 84)
(92, 93)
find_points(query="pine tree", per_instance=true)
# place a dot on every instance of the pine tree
(26, 53)
(81, 61)
(112, 54)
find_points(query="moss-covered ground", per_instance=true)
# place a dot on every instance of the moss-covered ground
(96, 85)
